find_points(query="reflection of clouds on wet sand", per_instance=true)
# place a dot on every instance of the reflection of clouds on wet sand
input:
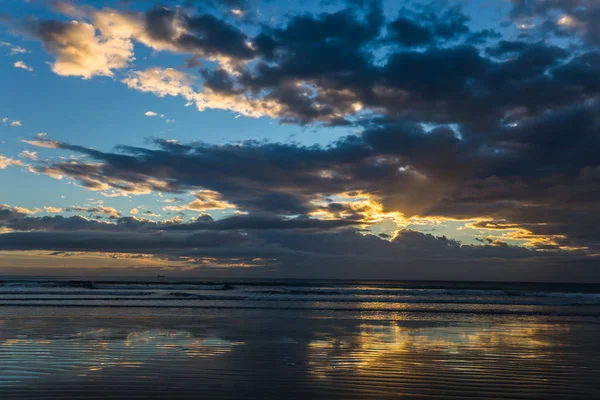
(462, 359)
(181, 341)
(277, 356)
(84, 352)
(374, 344)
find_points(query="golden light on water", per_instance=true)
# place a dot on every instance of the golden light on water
(378, 347)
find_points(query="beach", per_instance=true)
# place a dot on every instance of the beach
(58, 342)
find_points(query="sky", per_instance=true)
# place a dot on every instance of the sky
(359, 139)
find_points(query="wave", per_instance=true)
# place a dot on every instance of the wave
(305, 296)
(190, 291)
(76, 292)
(112, 285)
(250, 291)
(310, 285)
(425, 292)
(147, 297)
(540, 312)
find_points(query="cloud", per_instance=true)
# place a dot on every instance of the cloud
(113, 213)
(297, 73)
(171, 82)
(121, 242)
(150, 114)
(78, 48)
(22, 65)
(32, 155)
(400, 169)
(428, 27)
(9, 162)
(174, 30)
(105, 43)
(97, 48)
(16, 123)
(48, 144)
(205, 200)
(307, 71)
(293, 234)
(8, 213)
(562, 18)
(294, 252)
(260, 222)
(16, 212)
(335, 67)
(14, 49)
(162, 82)
(256, 222)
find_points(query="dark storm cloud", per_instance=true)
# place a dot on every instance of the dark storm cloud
(332, 55)
(204, 33)
(58, 223)
(262, 222)
(237, 4)
(297, 247)
(115, 241)
(296, 253)
(55, 223)
(580, 17)
(219, 81)
(328, 52)
(449, 81)
(412, 29)
(303, 253)
(256, 177)
(459, 85)
(9, 213)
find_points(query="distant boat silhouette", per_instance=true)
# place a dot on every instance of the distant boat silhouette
(160, 276)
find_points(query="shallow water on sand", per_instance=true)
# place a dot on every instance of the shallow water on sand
(164, 353)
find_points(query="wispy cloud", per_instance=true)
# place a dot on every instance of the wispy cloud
(13, 49)
(9, 162)
(22, 65)
(32, 155)
(48, 144)
(13, 123)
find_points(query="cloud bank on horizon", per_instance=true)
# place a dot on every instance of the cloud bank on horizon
(348, 139)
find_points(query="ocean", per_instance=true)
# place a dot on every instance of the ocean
(279, 339)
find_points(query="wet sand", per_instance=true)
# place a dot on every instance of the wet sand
(70, 353)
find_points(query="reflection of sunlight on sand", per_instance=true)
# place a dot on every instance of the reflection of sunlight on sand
(97, 349)
(384, 346)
